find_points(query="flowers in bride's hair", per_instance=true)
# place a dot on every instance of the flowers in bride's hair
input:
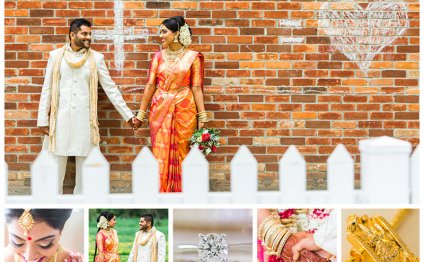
(207, 140)
(102, 223)
(185, 37)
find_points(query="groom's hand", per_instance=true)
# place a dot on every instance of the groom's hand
(136, 123)
(44, 129)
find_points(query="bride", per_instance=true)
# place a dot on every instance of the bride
(34, 235)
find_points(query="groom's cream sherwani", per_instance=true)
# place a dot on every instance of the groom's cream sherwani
(72, 127)
(143, 252)
(73, 115)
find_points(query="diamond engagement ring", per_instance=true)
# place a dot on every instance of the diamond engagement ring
(213, 247)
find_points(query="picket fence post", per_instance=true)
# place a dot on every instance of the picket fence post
(340, 176)
(95, 177)
(145, 177)
(195, 184)
(385, 170)
(292, 169)
(414, 182)
(244, 176)
(45, 178)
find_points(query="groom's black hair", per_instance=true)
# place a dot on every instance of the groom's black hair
(76, 25)
(148, 218)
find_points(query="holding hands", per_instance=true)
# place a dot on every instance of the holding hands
(136, 123)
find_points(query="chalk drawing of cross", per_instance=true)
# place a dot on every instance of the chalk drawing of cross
(120, 34)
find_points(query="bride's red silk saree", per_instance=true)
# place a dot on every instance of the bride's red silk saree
(173, 113)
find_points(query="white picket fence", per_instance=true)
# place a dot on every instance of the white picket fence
(389, 175)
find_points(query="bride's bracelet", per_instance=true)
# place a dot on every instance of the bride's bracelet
(142, 115)
(273, 235)
(203, 117)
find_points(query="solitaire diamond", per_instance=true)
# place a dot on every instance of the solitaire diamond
(212, 248)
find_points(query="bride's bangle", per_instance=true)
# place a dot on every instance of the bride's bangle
(142, 115)
(203, 117)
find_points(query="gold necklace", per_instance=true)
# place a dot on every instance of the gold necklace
(173, 56)
(374, 239)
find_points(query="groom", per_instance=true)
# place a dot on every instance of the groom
(149, 243)
(67, 112)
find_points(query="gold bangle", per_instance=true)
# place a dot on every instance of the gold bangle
(267, 227)
(262, 224)
(278, 239)
(273, 237)
(271, 234)
(141, 115)
(283, 243)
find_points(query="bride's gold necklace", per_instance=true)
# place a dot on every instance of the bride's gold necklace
(173, 56)
(374, 239)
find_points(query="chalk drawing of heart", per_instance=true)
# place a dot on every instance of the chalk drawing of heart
(361, 33)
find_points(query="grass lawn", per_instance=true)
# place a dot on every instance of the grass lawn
(126, 228)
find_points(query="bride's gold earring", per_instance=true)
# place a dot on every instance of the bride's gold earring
(176, 39)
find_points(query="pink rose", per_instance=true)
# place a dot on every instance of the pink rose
(213, 149)
(287, 213)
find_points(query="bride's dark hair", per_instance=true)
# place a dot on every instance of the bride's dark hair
(55, 218)
(175, 23)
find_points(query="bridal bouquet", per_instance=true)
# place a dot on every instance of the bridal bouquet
(206, 139)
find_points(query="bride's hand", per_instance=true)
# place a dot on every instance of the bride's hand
(74, 257)
(200, 125)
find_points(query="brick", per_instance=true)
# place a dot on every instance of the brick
(80, 5)
(393, 73)
(226, 115)
(355, 115)
(276, 14)
(407, 115)
(407, 99)
(15, 13)
(292, 141)
(240, 141)
(71, 13)
(330, 116)
(41, 13)
(41, 30)
(29, 5)
(252, 31)
(16, 30)
(264, 124)
(380, 132)
(28, 21)
(303, 98)
(268, 5)
(408, 49)
(304, 115)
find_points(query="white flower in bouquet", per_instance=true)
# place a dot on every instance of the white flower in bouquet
(208, 151)
(199, 139)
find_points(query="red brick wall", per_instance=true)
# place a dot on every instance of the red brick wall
(262, 92)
